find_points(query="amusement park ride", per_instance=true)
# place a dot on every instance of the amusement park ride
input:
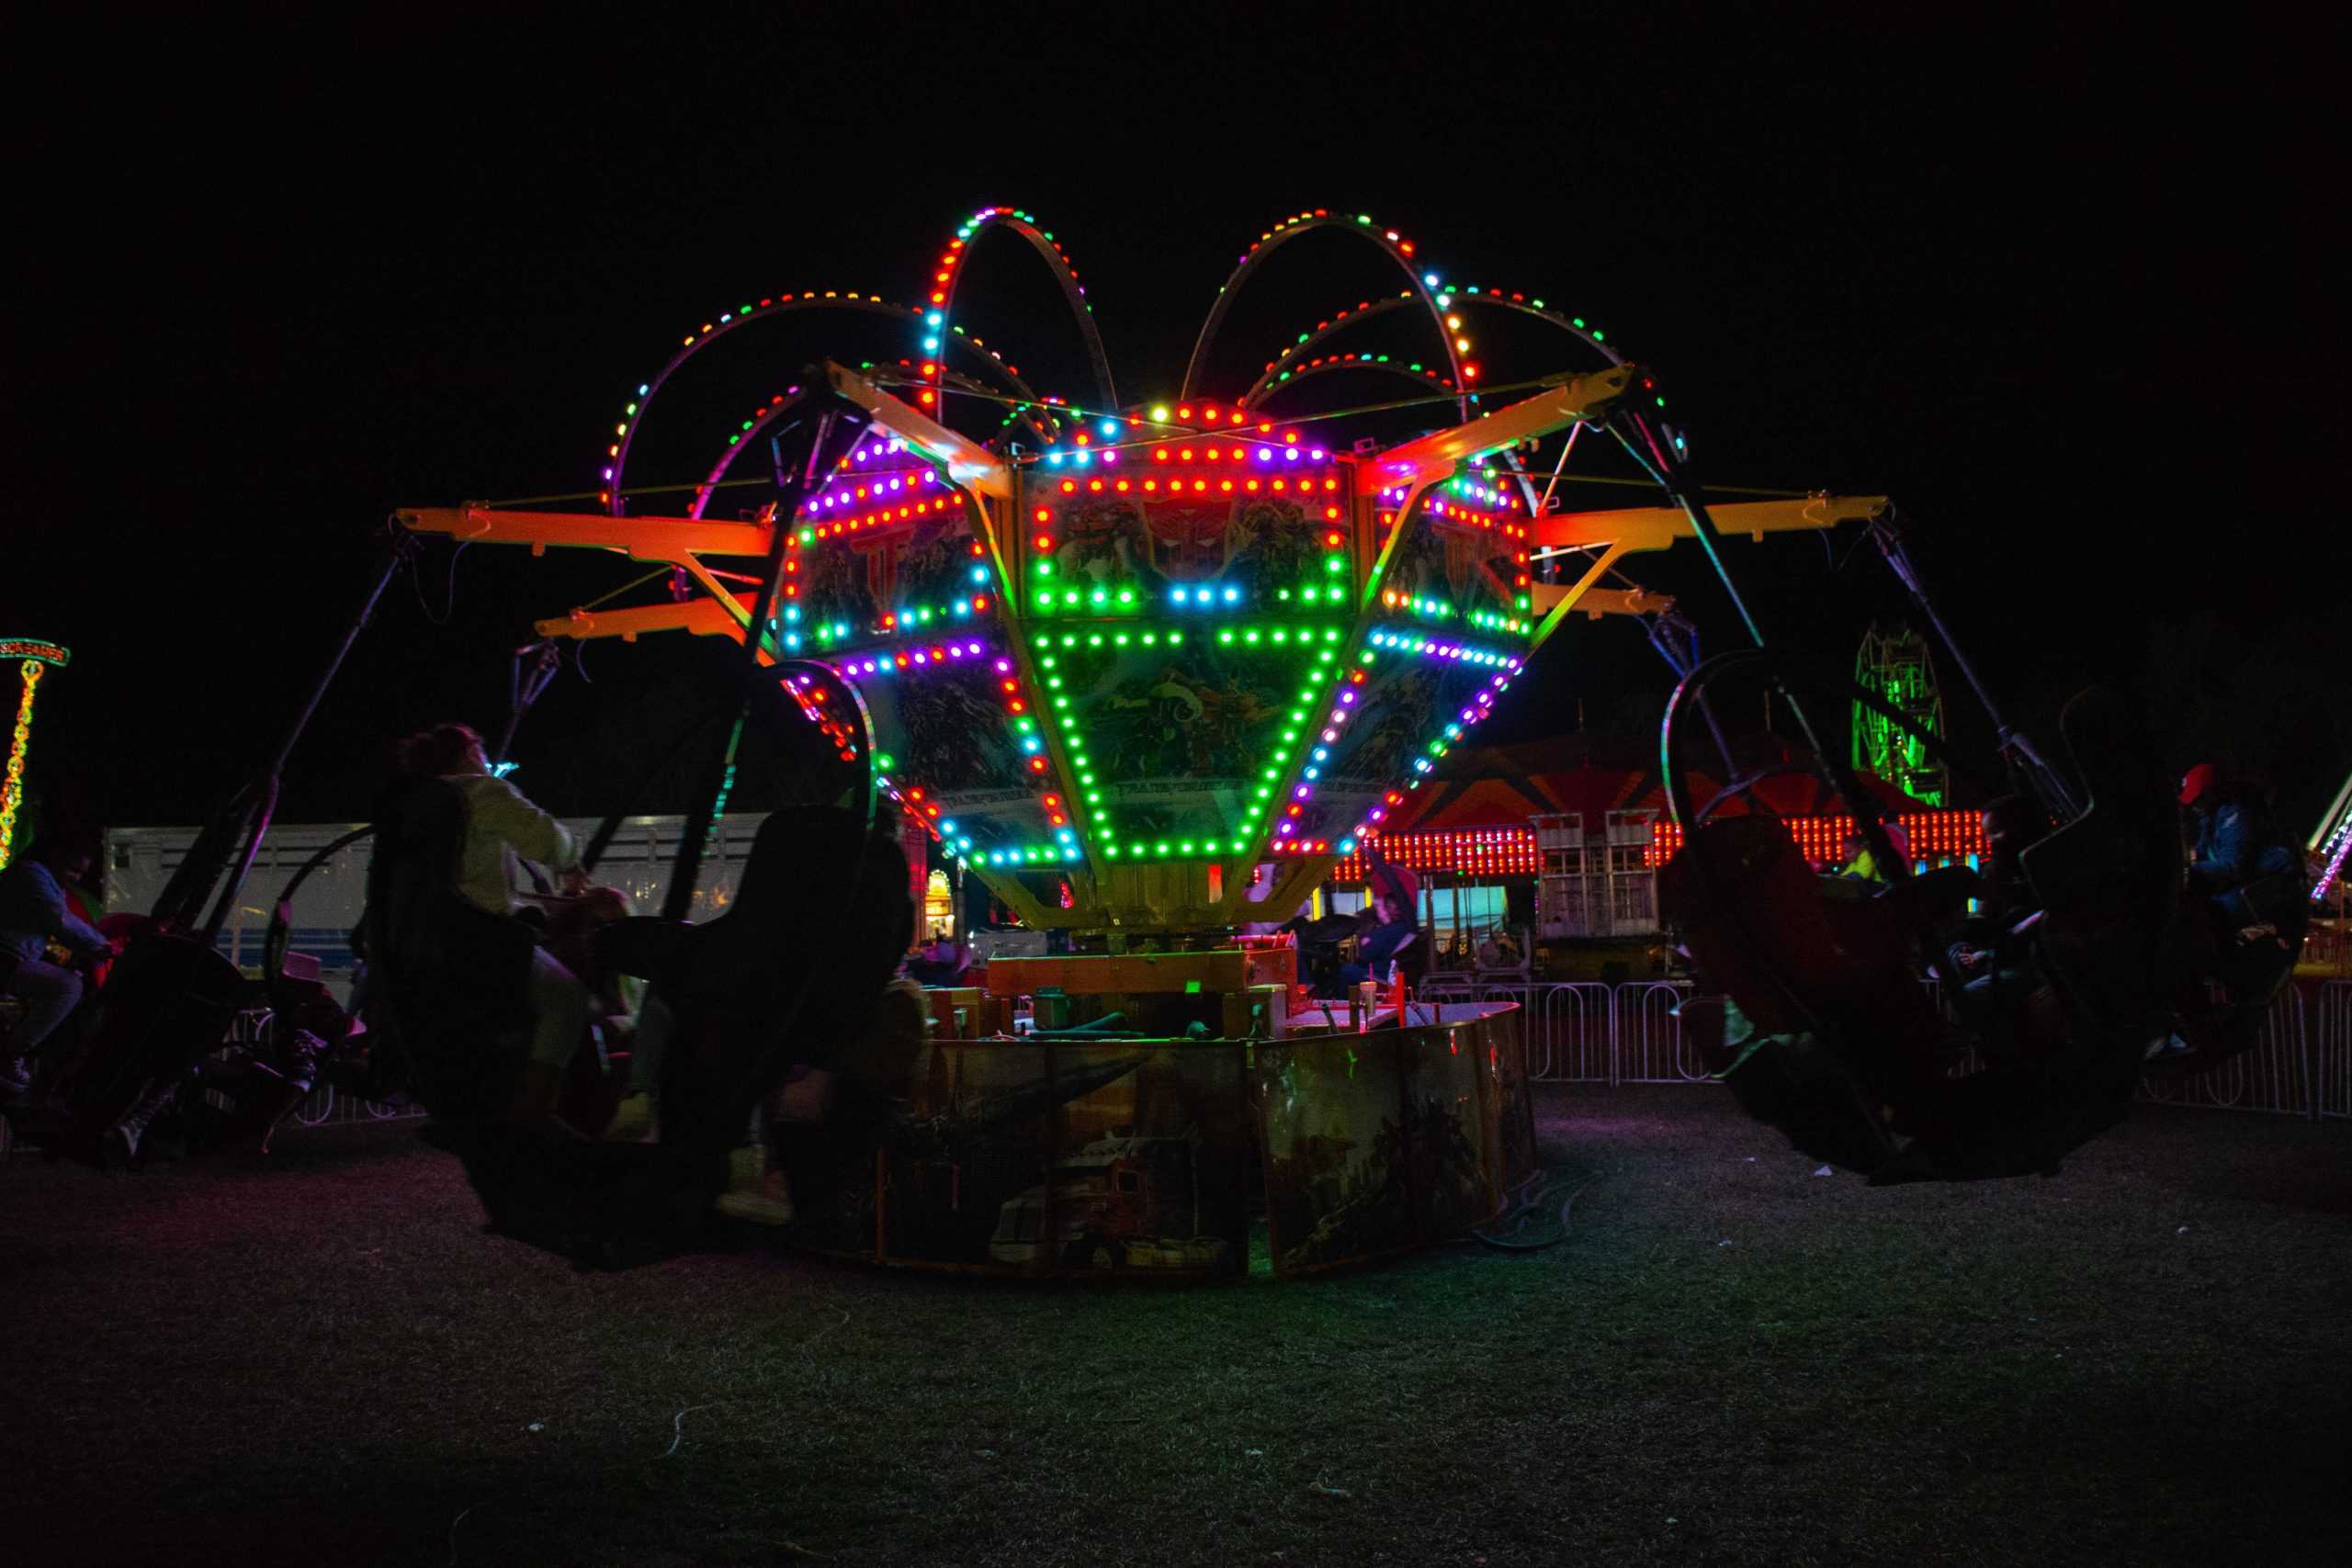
(1317, 623)
(1151, 668)
(33, 658)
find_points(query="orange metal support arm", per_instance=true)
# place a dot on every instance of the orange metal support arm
(1599, 601)
(970, 464)
(1614, 534)
(677, 540)
(1434, 457)
(1655, 527)
(702, 617)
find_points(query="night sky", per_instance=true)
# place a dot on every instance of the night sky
(2057, 286)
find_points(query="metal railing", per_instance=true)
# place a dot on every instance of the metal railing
(1653, 1046)
(2276, 1075)
(1641, 1031)
(322, 1107)
(2330, 1040)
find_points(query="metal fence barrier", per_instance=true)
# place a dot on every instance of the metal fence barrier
(1571, 1025)
(2277, 1075)
(1643, 1032)
(322, 1107)
(1653, 1046)
(2331, 1039)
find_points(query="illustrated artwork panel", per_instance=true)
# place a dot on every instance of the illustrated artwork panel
(975, 1136)
(1445, 1131)
(1338, 1170)
(1177, 727)
(1150, 1169)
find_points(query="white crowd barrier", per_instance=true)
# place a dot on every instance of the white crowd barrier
(2331, 1038)
(1648, 1031)
(2277, 1074)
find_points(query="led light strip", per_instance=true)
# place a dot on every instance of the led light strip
(1445, 298)
(1409, 641)
(12, 785)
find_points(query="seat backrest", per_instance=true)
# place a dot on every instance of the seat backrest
(2110, 880)
(790, 973)
(1752, 916)
(444, 975)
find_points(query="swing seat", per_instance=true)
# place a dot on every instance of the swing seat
(1796, 951)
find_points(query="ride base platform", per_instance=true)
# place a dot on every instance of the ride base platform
(1159, 1093)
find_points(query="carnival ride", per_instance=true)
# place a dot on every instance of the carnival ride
(1197, 635)
(1896, 666)
(34, 658)
(1149, 670)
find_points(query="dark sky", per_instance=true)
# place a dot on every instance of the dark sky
(2054, 284)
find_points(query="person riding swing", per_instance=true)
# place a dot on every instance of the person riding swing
(502, 826)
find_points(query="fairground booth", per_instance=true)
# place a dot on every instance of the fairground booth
(1542, 859)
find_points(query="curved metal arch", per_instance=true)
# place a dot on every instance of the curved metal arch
(1282, 235)
(1324, 367)
(769, 415)
(943, 294)
(1346, 319)
(869, 304)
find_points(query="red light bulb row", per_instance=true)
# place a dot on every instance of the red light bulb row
(812, 701)
(1492, 851)
(883, 516)
(1931, 835)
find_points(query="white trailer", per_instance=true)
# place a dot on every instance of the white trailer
(140, 861)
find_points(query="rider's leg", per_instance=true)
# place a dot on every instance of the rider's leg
(561, 1004)
(633, 1119)
(50, 993)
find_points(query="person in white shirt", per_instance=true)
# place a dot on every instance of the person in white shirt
(503, 827)
(34, 913)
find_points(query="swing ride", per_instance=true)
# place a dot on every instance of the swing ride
(1149, 669)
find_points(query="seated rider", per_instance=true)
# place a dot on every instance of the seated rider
(501, 826)
(33, 914)
(1859, 859)
(1993, 956)
(819, 913)
(1384, 945)
(941, 961)
(2247, 874)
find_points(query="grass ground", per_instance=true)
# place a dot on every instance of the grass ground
(1731, 1359)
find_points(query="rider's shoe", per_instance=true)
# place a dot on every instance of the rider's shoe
(122, 1138)
(2167, 1047)
(634, 1122)
(754, 1192)
(16, 1078)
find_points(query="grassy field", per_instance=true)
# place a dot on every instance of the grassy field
(1731, 1359)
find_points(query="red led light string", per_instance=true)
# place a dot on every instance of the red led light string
(1931, 835)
